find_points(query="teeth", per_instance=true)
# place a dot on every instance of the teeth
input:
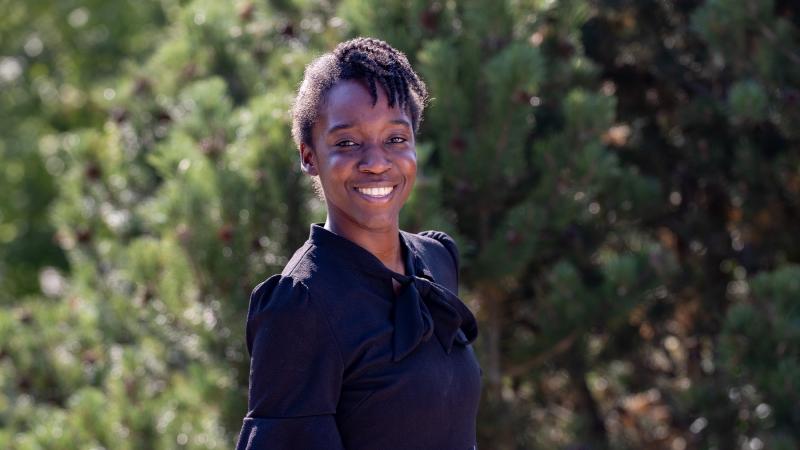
(376, 192)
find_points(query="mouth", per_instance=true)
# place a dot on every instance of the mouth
(376, 194)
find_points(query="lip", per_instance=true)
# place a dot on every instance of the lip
(376, 200)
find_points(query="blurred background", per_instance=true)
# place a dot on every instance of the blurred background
(623, 179)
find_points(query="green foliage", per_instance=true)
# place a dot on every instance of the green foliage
(619, 176)
(748, 101)
(760, 347)
(176, 196)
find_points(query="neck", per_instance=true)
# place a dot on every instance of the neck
(384, 244)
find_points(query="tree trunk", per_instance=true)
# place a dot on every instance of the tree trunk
(596, 429)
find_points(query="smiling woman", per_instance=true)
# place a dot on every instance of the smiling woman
(361, 342)
(365, 158)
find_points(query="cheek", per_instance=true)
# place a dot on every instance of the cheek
(408, 164)
(337, 165)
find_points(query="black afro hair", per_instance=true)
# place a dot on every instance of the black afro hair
(370, 60)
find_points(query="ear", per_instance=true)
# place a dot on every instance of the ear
(308, 159)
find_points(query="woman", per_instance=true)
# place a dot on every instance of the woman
(361, 343)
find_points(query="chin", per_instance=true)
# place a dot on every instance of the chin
(378, 222)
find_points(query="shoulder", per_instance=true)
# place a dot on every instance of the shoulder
(435, 243)
(440, 255)
(445, 241)
(302, 264)
(282, 307)
(291, 286)
(278, 296)
(277, 293)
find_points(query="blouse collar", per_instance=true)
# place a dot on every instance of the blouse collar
(360, 258)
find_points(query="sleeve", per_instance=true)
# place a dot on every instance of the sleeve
(449, 244)
(295, 371)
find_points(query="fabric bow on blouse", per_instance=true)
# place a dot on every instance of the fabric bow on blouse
(427, 308)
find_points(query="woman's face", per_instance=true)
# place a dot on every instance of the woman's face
(365, 158)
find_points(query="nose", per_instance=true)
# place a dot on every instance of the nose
(374, 159)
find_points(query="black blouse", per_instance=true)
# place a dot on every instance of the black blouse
(339, 361)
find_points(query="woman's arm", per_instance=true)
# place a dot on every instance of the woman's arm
(295, 371)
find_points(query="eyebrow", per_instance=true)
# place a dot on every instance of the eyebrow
(344, 126)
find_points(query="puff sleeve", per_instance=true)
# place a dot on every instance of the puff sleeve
(446, 241)
(449, 244)
(295, 371)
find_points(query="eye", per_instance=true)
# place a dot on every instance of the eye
(346, 143)
(397, 140)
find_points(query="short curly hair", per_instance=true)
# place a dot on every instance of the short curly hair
(368, 59)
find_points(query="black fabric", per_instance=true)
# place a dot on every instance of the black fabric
(339, 361)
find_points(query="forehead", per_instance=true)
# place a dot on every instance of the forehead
(349, 102)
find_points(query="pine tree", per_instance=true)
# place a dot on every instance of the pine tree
(621, 176)
(618, 174)
(54, 59)
(710, 97)
(177, 194)
(545, 211)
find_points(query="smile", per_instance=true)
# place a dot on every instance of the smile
(376, 193)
